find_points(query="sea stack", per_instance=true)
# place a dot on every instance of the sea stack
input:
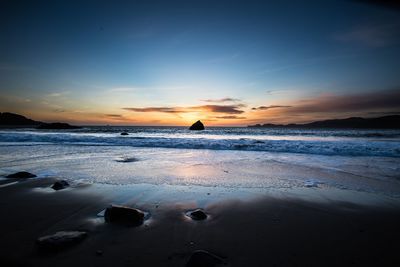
(197, 126)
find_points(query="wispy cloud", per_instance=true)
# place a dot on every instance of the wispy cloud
(386, 99)
(382, 101)
(270, 107)
(371, 35)
(114, 115)
(130, 89)
(224, 59)
(122, 89)
(227, 109)
(304, 63)
(231, 117)
(59, 110)
(58, 94)
(221, 100)
(230, 109)
(157, 109)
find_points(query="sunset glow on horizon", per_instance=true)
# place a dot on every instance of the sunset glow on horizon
(226, 63)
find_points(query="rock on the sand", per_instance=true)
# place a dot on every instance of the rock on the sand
(197, 215)
(202, 258)
(58, 185)
(124, 133)
(60, 239)
(124, 215)
(197, 126)
(21, 175)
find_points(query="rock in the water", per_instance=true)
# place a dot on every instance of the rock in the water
(124, 215)
(311, 183)
(21, 175)
(57, 126)
(60, 239)
(126, 160)
(124, 133)
(60, 185)
(197, 215)
(197, 126)
(202, 258)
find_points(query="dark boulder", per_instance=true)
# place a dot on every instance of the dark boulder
(197, 215)
(60, 240)
(202, 258)
(197, 126)
(21, 175)
(124, 133)
(57, 126)
(58, 185)
(124, 215)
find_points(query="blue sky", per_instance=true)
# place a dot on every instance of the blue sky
(156, 62)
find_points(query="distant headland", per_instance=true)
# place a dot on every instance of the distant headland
(8, 119)
(12, 119)
(386, 122)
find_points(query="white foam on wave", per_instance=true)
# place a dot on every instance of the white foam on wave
(320, 146)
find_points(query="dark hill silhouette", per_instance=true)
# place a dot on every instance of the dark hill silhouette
(386, 122)
(13, 119)
(8, 119)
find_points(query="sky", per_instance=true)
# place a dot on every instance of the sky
(227, 63)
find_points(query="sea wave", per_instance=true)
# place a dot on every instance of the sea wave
(321, 146)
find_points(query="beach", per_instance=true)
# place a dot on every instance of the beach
(261, 232)
(264, 208)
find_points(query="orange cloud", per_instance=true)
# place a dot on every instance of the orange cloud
(230, 117)
(269, 107)
(330, 106)
(227, 109)
(221, 100)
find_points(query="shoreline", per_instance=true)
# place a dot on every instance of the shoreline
(263, 231)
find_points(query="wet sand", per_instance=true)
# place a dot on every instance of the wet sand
(265, 231)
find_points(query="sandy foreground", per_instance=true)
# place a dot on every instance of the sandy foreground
(264, 231)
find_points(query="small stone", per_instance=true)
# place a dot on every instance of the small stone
(202, 258)
(58, 185)
(21, 175)
(60, 239)
(197, 215)
(123, 215)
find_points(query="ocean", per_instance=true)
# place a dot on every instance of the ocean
(224, 157)
(384, 143)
